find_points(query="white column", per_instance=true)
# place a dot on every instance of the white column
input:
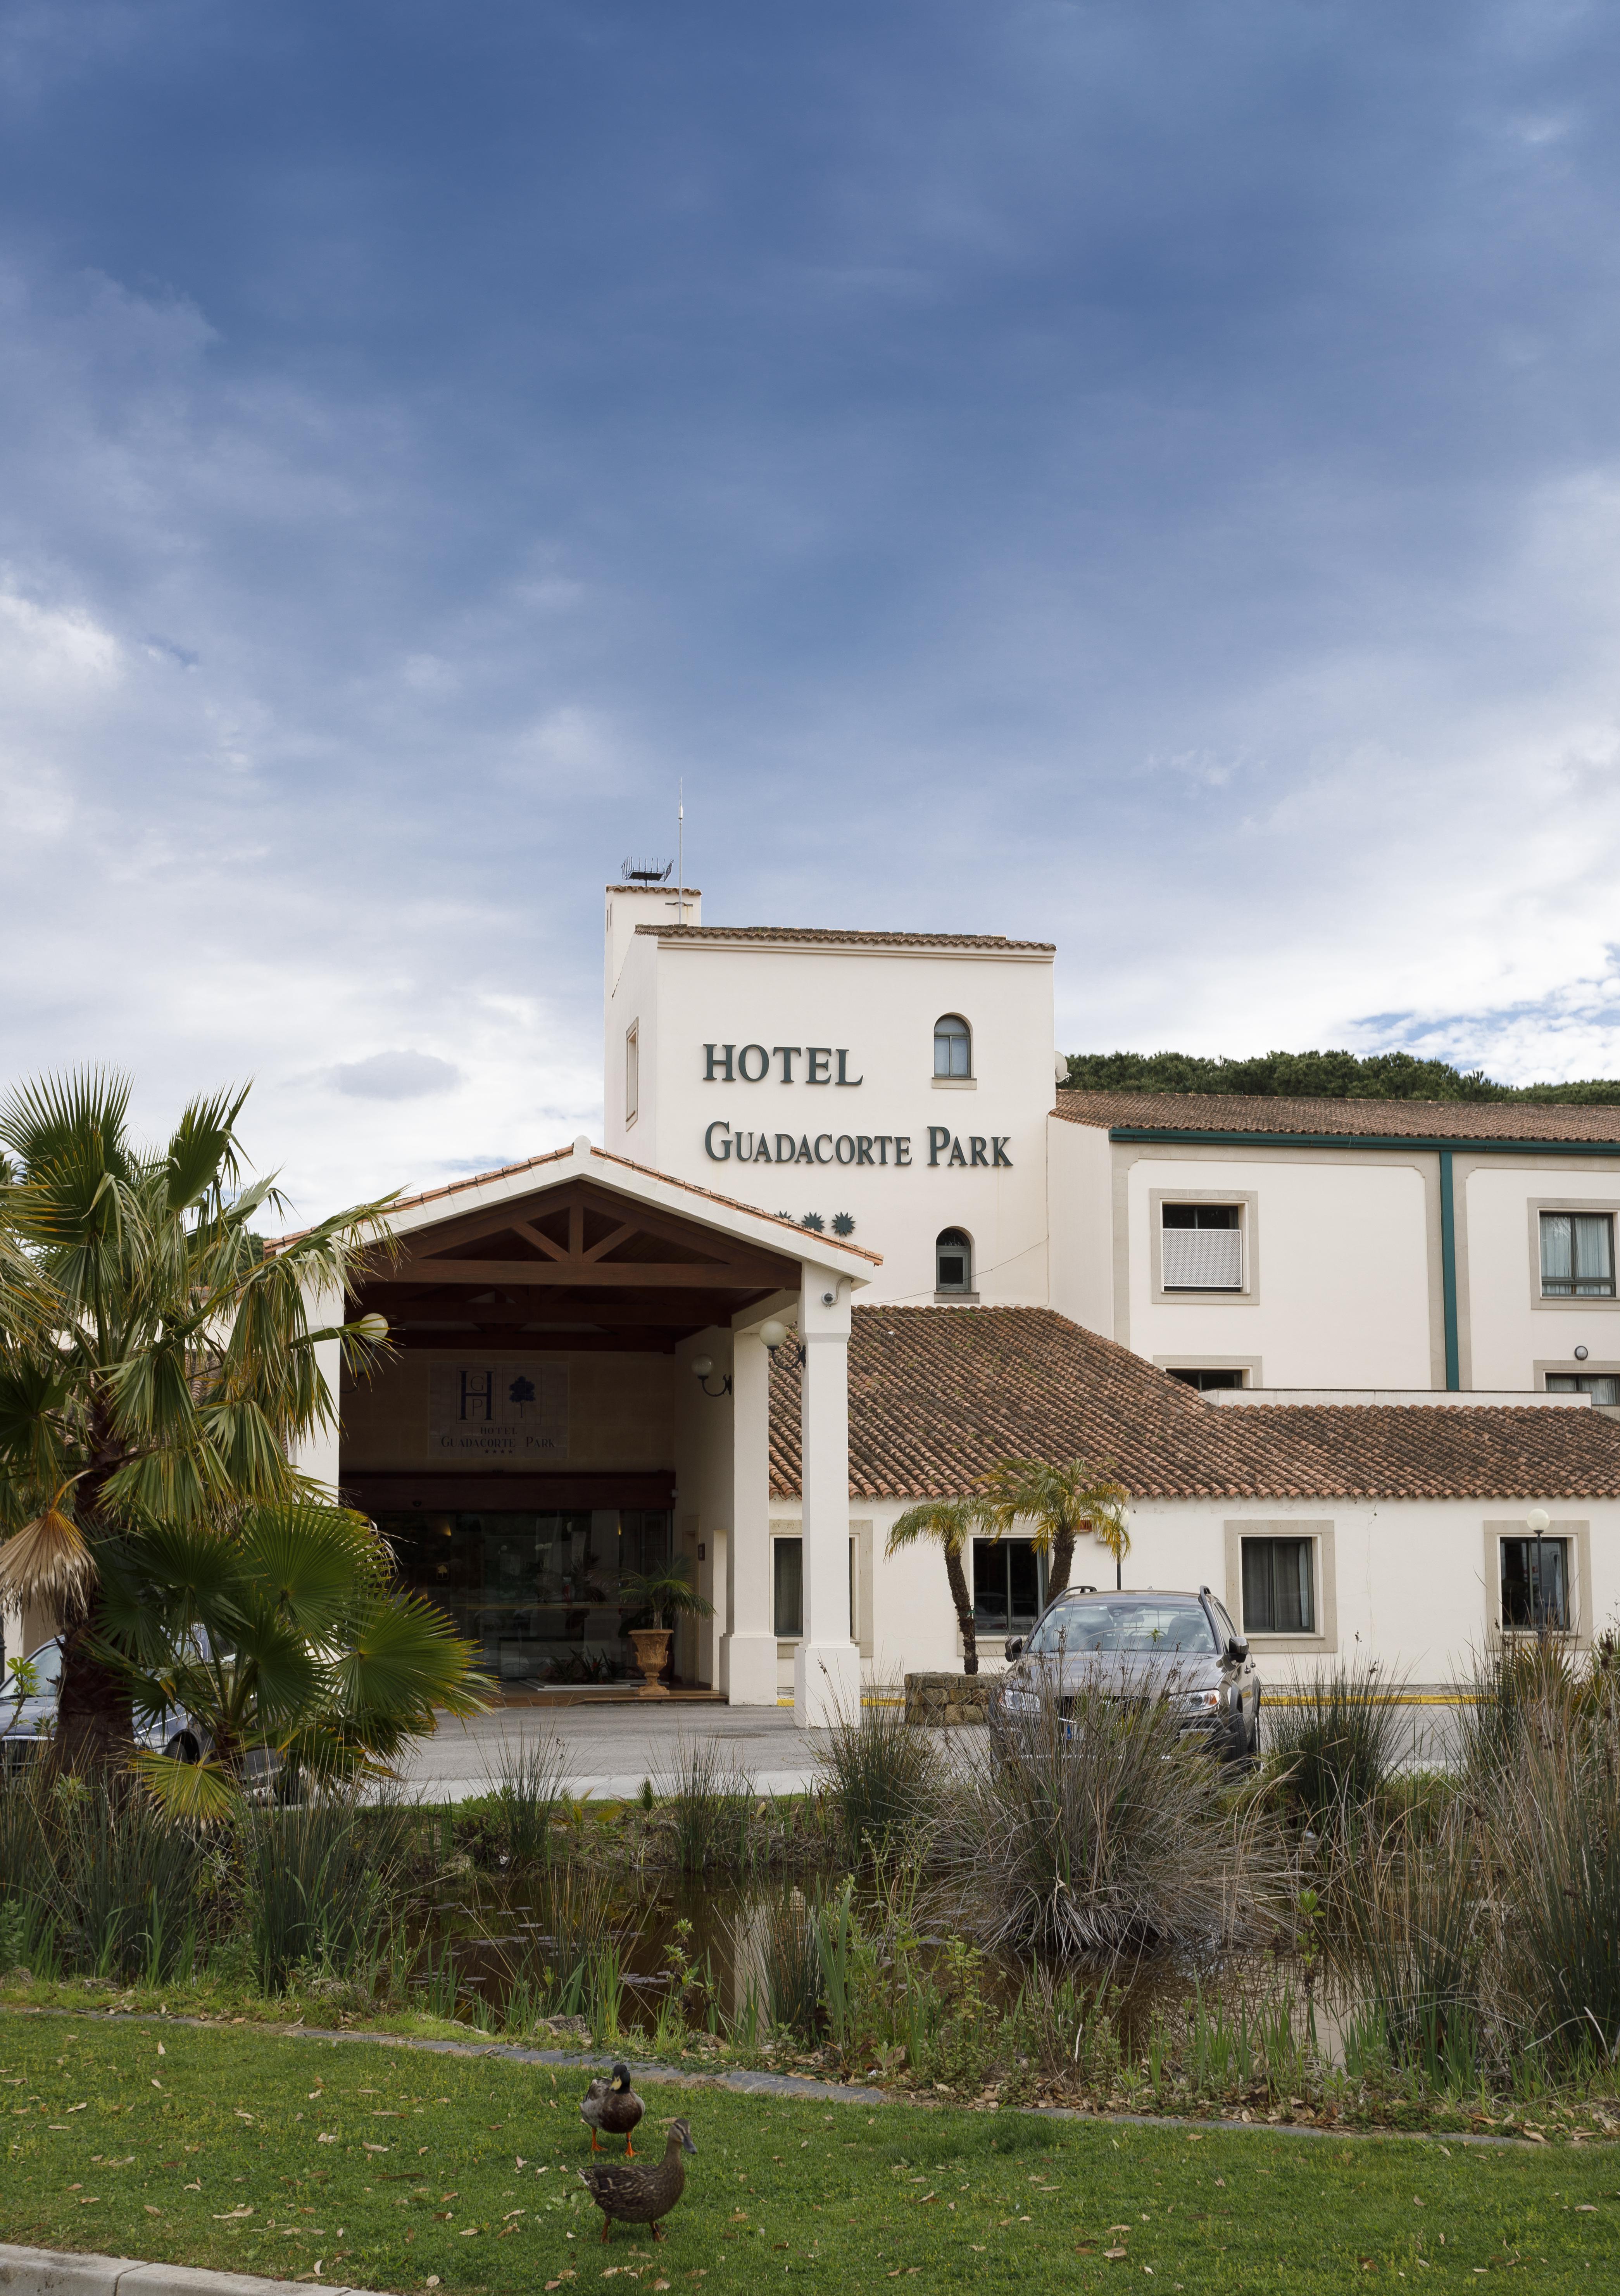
(826, 1665)
(317, 1453)
(747, 1656)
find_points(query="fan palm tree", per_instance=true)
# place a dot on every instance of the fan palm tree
(280, 1634)
(1060, 1502)
(157, 1366)
(952, 1524)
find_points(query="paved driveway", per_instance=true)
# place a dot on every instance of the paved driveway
(609, 1750)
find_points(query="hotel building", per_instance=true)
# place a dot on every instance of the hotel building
(848, 1239)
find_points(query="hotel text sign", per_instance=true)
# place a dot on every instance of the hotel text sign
(752, 1064)
(498, 1411)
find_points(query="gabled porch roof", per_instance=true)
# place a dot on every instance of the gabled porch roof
(581, 1249)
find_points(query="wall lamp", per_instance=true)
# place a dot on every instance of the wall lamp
(774, 1333)
(702, 1366)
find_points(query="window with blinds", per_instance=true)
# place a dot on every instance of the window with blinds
(1202, 1247)
(1577, 1256)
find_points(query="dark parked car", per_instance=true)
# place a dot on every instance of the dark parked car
(1181, 1648)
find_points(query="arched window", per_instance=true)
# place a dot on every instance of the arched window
(952, 1260)
(952, 1047)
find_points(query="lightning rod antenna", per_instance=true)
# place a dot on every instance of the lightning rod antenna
(681, 848)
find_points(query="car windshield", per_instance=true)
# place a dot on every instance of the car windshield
(1133, 1622)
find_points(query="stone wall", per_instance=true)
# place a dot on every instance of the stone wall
(939, 1701)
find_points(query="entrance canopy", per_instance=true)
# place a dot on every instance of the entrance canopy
(525, 1481)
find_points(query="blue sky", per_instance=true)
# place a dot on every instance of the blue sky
(1146, 477)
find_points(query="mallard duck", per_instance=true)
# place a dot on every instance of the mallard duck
(644, 2195)
(613, 2107)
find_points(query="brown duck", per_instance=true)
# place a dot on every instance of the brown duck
(613, 2108)
(644, 2195)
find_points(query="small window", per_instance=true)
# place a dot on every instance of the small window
(1009, 1585)
(788, 1587)
(1536, 1584)
(1577, 1256)
(633, 1069)
(1203, 1247)
(1209, 1382)
(1278, 1597)
(1603, 1387)
(952, 1260)
(953, 1047)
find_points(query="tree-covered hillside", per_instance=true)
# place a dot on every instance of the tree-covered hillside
(1316, 1076)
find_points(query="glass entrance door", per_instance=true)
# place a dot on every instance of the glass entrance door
(539, 1595)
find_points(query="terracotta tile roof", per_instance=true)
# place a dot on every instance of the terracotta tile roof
(937, 1395)
(1404, 1119)
(606, 1156)
(815, 937)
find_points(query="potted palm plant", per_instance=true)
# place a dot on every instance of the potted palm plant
(668, 1594)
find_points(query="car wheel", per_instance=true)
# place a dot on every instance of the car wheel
(183, 1747)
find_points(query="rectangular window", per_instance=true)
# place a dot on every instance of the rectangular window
(1203, 1247)
(1577, 1256)
(1009, 1585)
(788, 1587)
(1536, 1584)
(1278, 1597)
(1209, 1382)
(1603, 1387)
(633, 1069)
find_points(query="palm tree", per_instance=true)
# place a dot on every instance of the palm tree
(1060, 1502)
(952, 1524)
(157, 1367)
(280, 1634)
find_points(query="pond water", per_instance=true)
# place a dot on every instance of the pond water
(709, 1937)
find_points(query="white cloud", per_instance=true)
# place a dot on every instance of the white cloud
(396, 1075)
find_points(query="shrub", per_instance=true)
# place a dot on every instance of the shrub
(1090, 1827)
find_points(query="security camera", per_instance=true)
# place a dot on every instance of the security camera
(829, 1298)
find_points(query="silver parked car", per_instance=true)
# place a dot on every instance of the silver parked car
(1179, 1647)
(28, 1707)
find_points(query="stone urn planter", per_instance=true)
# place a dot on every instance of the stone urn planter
(651, 1651)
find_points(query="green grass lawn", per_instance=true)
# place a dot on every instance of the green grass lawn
(401, 2170)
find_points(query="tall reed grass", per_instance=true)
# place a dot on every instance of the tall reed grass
(1557, 1870)
(325, 1885)
(527, 1790)
(882, 1777)
(1339, 1738)
(108, 1884)
(708, 1801)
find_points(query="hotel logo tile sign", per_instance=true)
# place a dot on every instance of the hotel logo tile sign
(498, 1411)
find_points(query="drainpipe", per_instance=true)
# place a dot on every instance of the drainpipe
(1448, 1272)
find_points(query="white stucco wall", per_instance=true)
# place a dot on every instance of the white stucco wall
(1079, 1182)
(878, 1008)
(1341, 1267)
(1514, 1335)
(1409, 1579)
